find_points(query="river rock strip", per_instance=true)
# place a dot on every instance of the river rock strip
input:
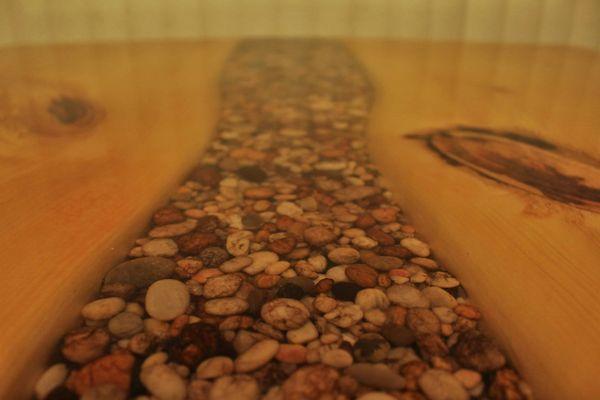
(282, 269)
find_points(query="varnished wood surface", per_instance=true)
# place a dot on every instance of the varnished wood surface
(93, 137)
(530, 260)
(91, 140)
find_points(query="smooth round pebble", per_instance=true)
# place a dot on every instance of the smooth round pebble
(125, 324)
(214, 367)
(160, 247)
(407, 296)
(256, 356)
(103, 308)
(441, 385)
(52, 378)
(163, 382)
(167, 299)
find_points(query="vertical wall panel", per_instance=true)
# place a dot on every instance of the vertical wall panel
(411, 19)
(448, 19)
(586, 28)
(522, 21)
(557, 21)
(575, 22)
(257, 17)
(221, 17)
(484, 20)
(370, 18)
(295, 17)
(332, 18)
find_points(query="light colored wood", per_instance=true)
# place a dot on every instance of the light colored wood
(531, 263)
(74, 197)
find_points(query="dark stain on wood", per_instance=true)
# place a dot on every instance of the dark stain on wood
(521, 161)
(68, 110)
(32, 108)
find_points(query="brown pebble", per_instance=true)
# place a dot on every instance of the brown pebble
(319, 236)
(283, 246)
(193, 243)
(422, 320)
(207, 175)
(168, 215)
(85, 344)
(265, 281)
(362, 275)
(324, 285)
(114, 369)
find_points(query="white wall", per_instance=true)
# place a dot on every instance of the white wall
(574, 22)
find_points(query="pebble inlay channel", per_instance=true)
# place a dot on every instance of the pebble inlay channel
(282, 269)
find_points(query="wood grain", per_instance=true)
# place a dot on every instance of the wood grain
(530, 260)
(92, 138)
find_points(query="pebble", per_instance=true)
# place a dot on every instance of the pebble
(319, 236)
(353, 193)
(337, 358)
(362, 275)
(256, 356)
(313, 382)
(291, 353)
(364, 242)
(475, 350)
(285, 314)
(112, 369)
(103, 308)
(277, 267)
(304, 334)
(160, 247)
(416, 246)
(260, 261)
(238, 243)
(422, 320)
(444, 280)
(167, 299)
(378, 376)
(235, 264)
(369, 299)
(125, 324)
(345, 315)
(290, 209)
(376, 396)
(226, 306)
(238, 387)
(438, 297)
(163, 382)
(85, 344)
(141, 272)
(407, 296)
(171, 230)
(222, 286)
(344, 255)
(441, 385)
(382, 263)
(337, 273)
(213, 257)
(214, 367)
(52, 378)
